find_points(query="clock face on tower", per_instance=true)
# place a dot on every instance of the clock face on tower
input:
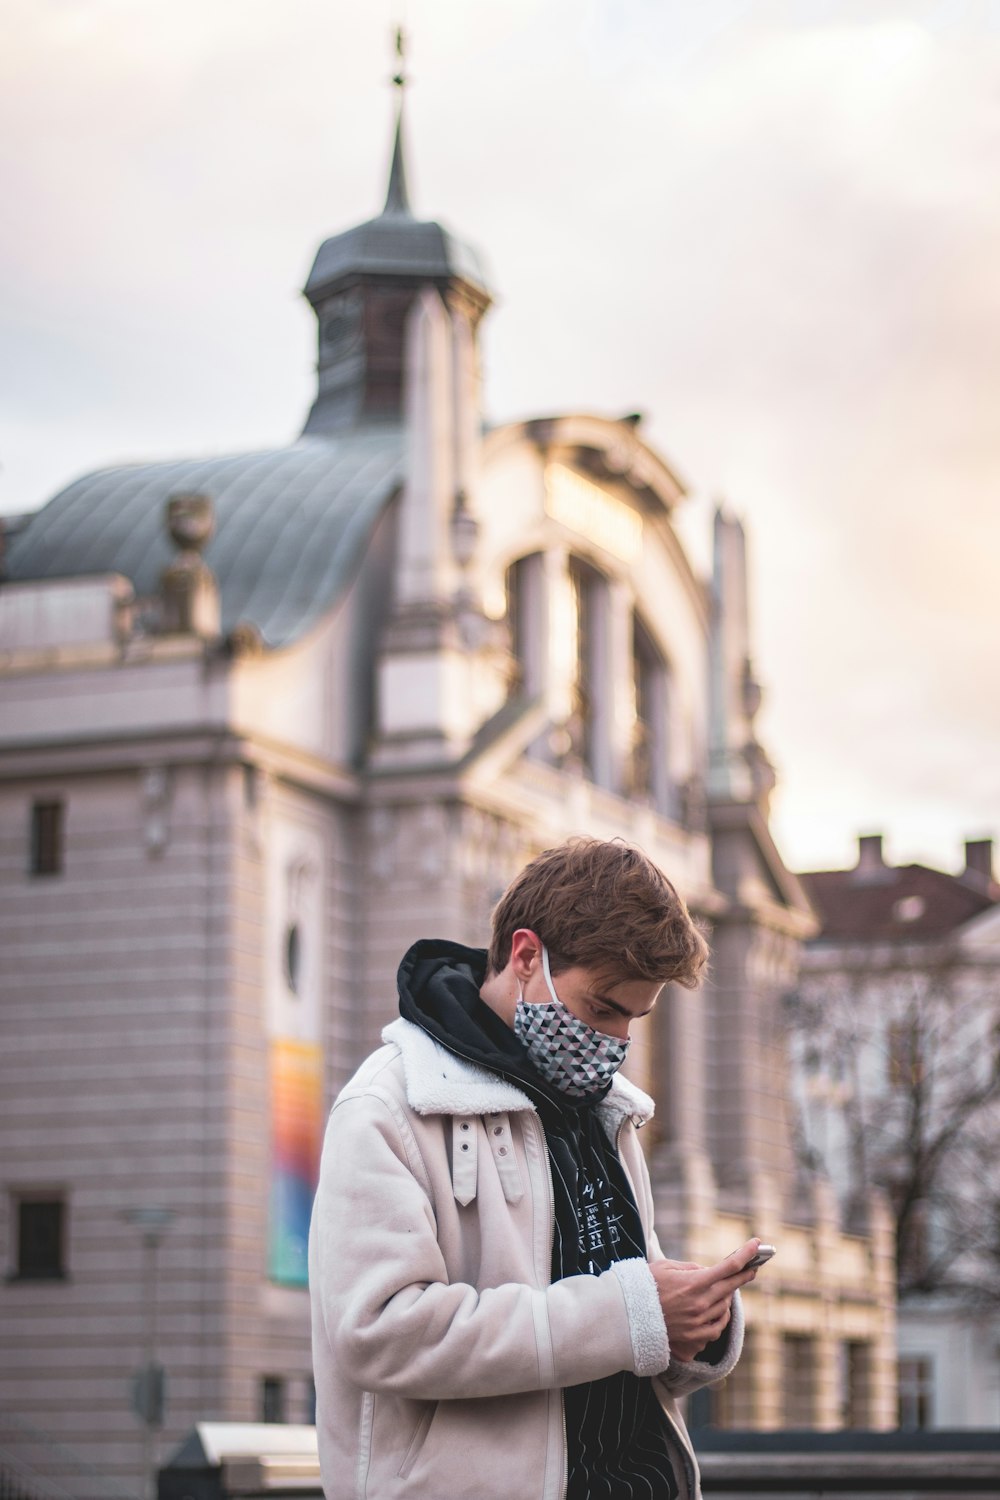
(340, 329)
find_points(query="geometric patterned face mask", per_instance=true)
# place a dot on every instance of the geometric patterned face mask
(569, 1054)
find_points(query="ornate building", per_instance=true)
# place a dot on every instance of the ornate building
(268, 718)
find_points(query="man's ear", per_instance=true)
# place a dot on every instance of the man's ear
(525, 952)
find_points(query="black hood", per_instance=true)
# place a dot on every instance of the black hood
(439, 983)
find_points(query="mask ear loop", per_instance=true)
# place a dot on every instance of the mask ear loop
(548, 975)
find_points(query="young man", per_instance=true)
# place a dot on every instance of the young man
(493, 1318)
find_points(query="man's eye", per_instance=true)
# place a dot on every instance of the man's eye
(601, 1014)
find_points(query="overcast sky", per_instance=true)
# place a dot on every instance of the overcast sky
(771, 225)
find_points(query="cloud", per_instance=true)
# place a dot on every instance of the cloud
(771, 226)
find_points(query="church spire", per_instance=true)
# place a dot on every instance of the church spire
(397, 200)
(364, 284)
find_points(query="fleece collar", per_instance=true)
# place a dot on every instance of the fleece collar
(439, 1083)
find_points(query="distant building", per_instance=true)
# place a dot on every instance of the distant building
(267, 719)
(896, 1032)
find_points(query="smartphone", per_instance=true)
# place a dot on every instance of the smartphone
(761, 1258)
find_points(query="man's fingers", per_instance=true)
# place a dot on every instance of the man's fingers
(722, 1321)
(736, 1261)
(733, 1268)
(690, 1347)
(718, 1313)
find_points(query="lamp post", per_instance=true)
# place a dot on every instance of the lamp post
(148, 1383)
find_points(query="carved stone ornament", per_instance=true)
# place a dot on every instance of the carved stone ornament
(187, 585)
(190, 520)
(245, 640)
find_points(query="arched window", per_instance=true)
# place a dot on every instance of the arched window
(527, 620)
(568, 616)
(651, 745)
(593, 686)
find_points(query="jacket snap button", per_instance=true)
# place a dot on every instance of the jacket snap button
(498, 1130)
(465, 1147)
(503, 1151)
(465, 1127)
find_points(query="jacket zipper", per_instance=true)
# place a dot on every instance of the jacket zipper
(544, 1275)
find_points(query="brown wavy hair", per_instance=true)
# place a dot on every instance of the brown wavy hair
(602, 905)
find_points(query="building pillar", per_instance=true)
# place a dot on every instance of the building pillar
(425, 570)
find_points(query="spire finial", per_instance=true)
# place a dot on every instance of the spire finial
(397, 199)
(399, 77)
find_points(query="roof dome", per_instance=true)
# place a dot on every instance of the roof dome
(395, 245)
(290, 525)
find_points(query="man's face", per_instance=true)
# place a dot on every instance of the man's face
(606, 1004)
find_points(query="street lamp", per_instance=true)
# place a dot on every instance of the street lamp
(148, 1383)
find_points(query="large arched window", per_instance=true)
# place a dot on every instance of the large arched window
(651, 745)
(593, 685)
(527, 618)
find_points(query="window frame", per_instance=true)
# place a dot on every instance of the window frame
(273, 1398)
(39, 1269)
(651, 678)
(915, 1388)
(593, 672)
(47, 838)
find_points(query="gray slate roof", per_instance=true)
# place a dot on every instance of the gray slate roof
(291, 525)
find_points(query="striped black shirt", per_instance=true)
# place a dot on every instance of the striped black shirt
(616, 1433)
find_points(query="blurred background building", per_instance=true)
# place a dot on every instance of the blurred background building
(896, 1049)
(267, 719)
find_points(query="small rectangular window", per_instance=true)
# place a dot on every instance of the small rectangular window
(41, 1238)
(47, 838)
(856, 1384)
(272, 1398)
(916, 1392)
(799, 1380)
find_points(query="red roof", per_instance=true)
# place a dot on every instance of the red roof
(903, 903)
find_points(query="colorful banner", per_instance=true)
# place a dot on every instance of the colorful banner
(296, 1139)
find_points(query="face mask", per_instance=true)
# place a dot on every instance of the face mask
(569, 1054)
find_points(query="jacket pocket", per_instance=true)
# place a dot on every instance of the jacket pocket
(418, 1439)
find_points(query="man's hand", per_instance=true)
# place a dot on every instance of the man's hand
(697, 1300)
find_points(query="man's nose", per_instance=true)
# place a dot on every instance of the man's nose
(617, 1026)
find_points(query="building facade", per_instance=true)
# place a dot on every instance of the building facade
(896, 1054)
(268, 718)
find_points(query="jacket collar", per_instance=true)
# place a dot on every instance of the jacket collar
(439, 1083)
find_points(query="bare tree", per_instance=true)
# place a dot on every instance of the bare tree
(899, 1088)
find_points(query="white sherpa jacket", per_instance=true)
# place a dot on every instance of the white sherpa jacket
(440, 1345)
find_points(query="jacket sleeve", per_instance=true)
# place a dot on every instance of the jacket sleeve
(394, 1322)
(682, 1376)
